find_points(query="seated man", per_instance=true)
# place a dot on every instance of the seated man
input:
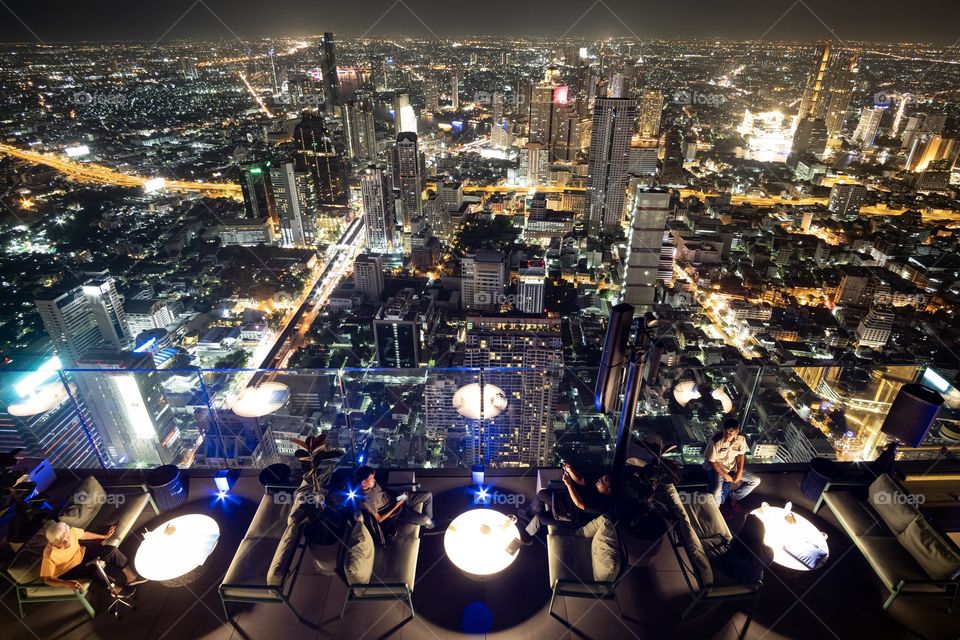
(724, 458)
(384, 506)
(66, 561)
(587, 501)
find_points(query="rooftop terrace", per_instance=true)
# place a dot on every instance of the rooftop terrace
(842, 599)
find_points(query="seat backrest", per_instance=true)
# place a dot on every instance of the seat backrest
(84, 505)
(891, 502)
(683, 532)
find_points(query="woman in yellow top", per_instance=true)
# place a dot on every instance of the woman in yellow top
(66, 561)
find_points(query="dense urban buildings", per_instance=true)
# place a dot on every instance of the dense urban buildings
(420, 208)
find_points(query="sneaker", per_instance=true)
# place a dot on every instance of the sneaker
(429, 524)
(136, 581)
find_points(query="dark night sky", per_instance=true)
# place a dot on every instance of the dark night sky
(878, 20)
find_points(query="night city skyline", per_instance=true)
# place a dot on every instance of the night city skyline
(658, 300)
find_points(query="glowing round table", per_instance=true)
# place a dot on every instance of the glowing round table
(173, 552)
(482, 542)
(787, 531)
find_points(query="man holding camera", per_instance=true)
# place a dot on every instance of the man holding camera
(582, 502)
(383, 506)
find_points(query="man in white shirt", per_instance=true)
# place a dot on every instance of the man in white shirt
(724, 458)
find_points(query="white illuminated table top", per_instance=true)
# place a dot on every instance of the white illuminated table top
(254, 402)
(466, 400)
(781, 532)
(477, 541)
(177, 547)
(42, 400)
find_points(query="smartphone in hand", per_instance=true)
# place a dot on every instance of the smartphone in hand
(403, 496)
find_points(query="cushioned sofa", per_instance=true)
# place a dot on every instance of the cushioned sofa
(93, 507)
(265, 566)
(700, 532)
(585, 562)
(904, 550)
(375, 572)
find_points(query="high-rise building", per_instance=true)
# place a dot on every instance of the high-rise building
(455, 91)
(404, 117)
(368, 277)
(534, 165)
(359, 131)
(650, 110)
(813, 103)
(63, 435)
(843, 80)
(378, 210)
(875, 328)
(810, 137)
(647, 223)
(328, 67)
(868, 126)
(565, 137)
(408, 178)
(613, 126)
(399, 329)
(107, 307)
(257, 192)
(315, 153)
(530, 288)
(68, 320)
(128, 408)
(431, 95)
(295, 197)
(482, 280)
(522, 356)
(549, 103)
(846, 199)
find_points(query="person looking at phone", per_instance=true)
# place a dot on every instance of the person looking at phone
(69, 551)
(587, 501)
(384, 506)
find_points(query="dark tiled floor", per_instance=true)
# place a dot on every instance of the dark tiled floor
(841, 600)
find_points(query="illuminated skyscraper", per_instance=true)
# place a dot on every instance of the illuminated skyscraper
(431, 95)
(530, 289)
(482, 279)
(368, 276)
(315, 153)
(534, 164)
(378, 212)
(565, 139)
(455, 90)
(359, 131)
(612, 130)
(107, 307)
(128, 408)
(404, 117)
(843, 80)
(328, 67)
(296, 202)
(813, 103)
(257, 192)
(846, 199)
(866, 131)
(408, 178)
(523, 357)
(650, 111)
(647, 223)
(810, 137)
(69, 321)
(63, 434)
